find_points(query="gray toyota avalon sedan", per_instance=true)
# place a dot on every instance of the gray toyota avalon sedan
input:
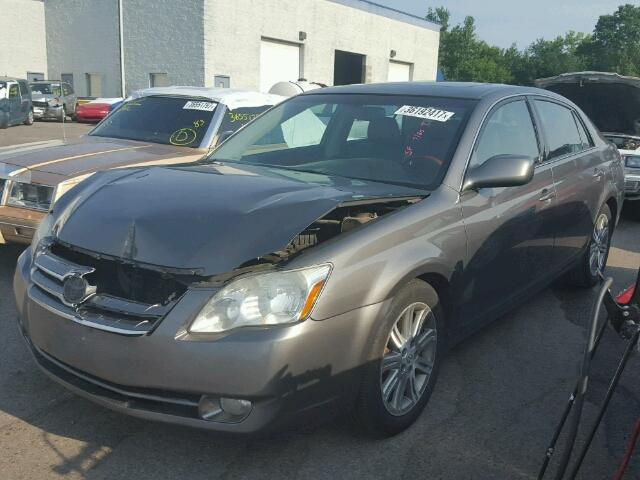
(323, 258)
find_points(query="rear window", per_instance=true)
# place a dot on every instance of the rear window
(176, 121)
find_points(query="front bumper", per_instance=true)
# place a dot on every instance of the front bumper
(290, 373)
(41, 112)
(17, 225)
(632, 186)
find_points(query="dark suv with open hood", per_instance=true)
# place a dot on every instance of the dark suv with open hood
(326, 255)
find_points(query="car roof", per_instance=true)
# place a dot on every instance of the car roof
(468, 90)
(233, 98)
(47, 81)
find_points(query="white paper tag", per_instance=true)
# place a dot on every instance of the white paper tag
(428, 113)
(197, 105)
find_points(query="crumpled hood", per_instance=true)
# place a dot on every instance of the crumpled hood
(210, 219)
(612, 101)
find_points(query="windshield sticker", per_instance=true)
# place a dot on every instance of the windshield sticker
(203, 106)
(183, 137)
(428, 113)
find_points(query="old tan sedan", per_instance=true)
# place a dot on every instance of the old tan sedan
(155, 126)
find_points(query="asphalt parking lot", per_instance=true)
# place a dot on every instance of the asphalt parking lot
(498, 399)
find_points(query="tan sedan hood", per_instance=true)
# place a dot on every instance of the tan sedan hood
(53, 161)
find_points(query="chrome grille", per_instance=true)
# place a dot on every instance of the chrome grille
(632, 186)
(97, 309)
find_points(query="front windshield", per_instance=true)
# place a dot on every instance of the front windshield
(177, 121)
(405, 140)
(46, 89)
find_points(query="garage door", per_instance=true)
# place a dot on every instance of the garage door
(399, 72)
(278, 62)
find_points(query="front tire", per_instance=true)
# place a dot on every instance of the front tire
(594, 260)
(407, 350)
(63, 115)
(29, 120)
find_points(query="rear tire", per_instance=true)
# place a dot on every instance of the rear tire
(594, 260)
(402, 371)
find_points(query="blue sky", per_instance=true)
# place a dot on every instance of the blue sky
(503, 22)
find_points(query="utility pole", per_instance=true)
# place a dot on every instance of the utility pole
(121, 37)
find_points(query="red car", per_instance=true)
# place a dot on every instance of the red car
(97, 109)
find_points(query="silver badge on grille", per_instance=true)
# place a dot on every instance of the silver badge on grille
(75, 290)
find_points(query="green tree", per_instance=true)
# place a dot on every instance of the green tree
(546, 58)
(464, 57)
(615, 43)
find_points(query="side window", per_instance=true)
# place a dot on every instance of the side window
(65, 89)
(587, 141)
(507, 130)
(13, 90)
(560, 129)
(359, 130)
(239, 117)
(24, 88)
(302, 130)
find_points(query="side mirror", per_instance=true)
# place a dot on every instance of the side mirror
(223, 136)
(500, 171)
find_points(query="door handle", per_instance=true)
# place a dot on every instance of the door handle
(598, 174)
(547, 195)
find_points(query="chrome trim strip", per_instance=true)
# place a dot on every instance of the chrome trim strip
(125, 393)
(74, 317)
(58, 268)
(15, 225)
(47, 284)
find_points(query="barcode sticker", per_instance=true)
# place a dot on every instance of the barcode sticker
(204, 106)
(428, 113)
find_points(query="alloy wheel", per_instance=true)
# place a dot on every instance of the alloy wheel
(599, 245)
(408, 359)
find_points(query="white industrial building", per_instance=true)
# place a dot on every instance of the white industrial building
(105, 46)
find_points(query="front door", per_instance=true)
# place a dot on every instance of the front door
(15, 103)
(510, 246)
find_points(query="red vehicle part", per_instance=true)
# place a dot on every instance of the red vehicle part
(92, 112)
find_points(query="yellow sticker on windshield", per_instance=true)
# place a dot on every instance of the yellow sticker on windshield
(183, 137)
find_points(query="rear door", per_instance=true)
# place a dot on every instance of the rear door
(510, 246)
(578, 175)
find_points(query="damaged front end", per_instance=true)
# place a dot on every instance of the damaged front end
(123, 294)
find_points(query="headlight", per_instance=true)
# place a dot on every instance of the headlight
(273, 298)
(632, 161)
(29, 195)
(45, 229)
